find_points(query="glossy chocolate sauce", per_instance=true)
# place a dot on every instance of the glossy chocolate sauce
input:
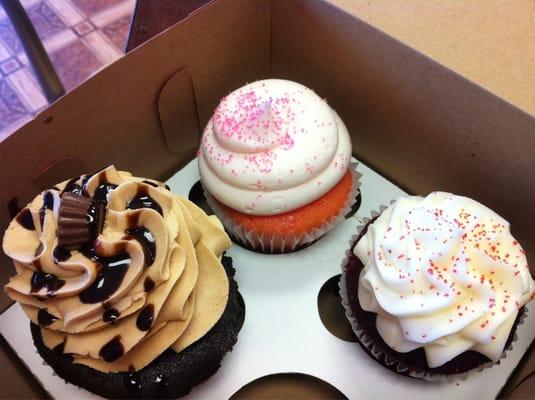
(111, 275)
(154, 184)
(24, 218)
(73, 187)
(147, 241)
(44, 318)
(48, 204)
(41, 280)
(148, 284)
(112, 350)
(101, 192)
(60, 254)
(143, 200)
(145, 318)
(110, 315)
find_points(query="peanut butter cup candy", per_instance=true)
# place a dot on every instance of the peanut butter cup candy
(435, 286)
(126, 285)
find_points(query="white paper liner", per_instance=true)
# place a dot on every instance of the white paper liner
(376, 351)
(285, 243)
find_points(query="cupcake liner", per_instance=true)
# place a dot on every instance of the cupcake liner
(377, 352)
(273, 244)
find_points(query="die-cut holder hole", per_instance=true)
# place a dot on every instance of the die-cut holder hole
(331, 311)
(291, 386)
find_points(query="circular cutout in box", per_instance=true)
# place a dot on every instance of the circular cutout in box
(288, 386)
(331, 311)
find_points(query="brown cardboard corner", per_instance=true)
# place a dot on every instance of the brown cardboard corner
(177, 111)
(420, 124)
(489, 42)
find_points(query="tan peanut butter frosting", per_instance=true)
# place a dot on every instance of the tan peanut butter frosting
(116, 269)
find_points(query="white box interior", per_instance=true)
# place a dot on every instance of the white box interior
(283, 331)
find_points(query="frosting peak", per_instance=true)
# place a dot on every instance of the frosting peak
(273, 146)
(443, 273)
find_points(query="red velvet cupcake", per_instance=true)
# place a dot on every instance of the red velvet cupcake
(434, 287)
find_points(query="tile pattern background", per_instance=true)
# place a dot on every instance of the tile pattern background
(81, 37)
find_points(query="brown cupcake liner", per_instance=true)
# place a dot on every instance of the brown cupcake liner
(273, 244)
(377, 352)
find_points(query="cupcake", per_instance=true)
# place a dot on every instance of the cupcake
(435, 286)
(275, 166)
(125, 284)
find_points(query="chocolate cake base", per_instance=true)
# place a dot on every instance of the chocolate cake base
(414, 361)
(171, 374)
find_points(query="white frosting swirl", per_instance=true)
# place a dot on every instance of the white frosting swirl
(443, 273)
(273, 146)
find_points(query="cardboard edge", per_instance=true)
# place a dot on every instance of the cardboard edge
(428, 58)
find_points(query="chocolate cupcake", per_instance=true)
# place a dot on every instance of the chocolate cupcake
(434, 287)
(275, 163)
(124, 285)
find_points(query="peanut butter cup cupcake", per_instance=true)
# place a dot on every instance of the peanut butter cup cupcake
(435, 286)
(126, 285)
(275, 165)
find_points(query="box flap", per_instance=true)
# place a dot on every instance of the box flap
(490, 42)
(417, 122)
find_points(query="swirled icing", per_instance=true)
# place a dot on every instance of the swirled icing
(159, 301)
(273, 146)
(443, 273)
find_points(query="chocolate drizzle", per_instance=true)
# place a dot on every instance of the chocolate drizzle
(143, 200)
(48, 204)
(145, 318)
(110, 315)
(24, 218)
(154, 184)
(49, 281)
(44, 318)
(102, 191)
(73, 187)
(95, 218)
(147, 241)
(148, 284)
(112, 272)
(60, 254)
(112, 350)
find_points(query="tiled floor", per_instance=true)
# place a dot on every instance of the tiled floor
(81, 37)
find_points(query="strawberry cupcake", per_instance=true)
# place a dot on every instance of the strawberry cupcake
(275, 165)
(435, 286)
